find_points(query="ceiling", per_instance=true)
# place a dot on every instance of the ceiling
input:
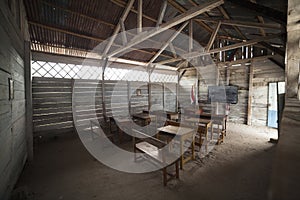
(75, 27)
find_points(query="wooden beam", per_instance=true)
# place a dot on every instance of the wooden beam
(162, 12)
(264, 11)
(241, 61)
(140, 16)
(173, 50)
(191, 36)
(123, 5)
(225, 48)
(123, 33)
(212, 37)
(168, 42)
(230, 47)
(85, 36)
(118, 27)
(250, 95)
(169, 61)
(241, 44)
(193, 12)
(182, 74)
(246, 24)
(182, 10)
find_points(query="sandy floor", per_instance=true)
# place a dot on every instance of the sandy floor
(240, 168)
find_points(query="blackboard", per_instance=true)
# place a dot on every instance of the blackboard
(223, 94)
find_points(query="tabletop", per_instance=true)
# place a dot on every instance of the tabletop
(175, 130)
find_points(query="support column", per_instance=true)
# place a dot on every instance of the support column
(250, 94)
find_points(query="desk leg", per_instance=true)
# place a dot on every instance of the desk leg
(181, 153)
(193, 148)
(177, 169)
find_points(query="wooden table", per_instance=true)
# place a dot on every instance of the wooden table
(184, 134)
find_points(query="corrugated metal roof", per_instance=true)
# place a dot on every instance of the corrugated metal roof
(83, 24)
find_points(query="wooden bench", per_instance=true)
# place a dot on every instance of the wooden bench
(151, 147)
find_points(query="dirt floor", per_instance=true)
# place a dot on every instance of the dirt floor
(240, 168)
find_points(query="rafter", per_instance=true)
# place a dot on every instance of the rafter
(191, 35)
(241, 61)
(84, 36)
(182, 10)
(227, 16)
(123, 5)
(123, 33)
(173, 50)
(213, 36)
(118, 27)
(193, 12)
(168, 43)
(207, 15)
(225, 48)
(140, 16)
(162, 11)
(246, 24)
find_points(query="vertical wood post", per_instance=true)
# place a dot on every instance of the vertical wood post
(250, 94)
(103, 89)
(28, 97)
(163, 95)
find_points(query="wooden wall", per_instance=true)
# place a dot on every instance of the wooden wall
(52, 105)
(13, 151)
(264, 72)
(54, 101)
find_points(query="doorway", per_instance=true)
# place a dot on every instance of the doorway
(275, 102)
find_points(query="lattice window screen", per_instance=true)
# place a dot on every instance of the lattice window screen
(62, 70)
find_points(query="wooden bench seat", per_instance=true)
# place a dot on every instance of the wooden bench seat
(161, 156)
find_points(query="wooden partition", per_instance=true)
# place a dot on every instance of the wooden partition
(55, 100)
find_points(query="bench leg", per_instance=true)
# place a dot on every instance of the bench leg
(165, 176)
(177, 169)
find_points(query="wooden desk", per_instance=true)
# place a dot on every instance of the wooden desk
(145, 117)
(184, 134)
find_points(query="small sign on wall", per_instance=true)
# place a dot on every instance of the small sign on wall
(11, 88)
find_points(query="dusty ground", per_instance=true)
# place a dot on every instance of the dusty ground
(240, 168)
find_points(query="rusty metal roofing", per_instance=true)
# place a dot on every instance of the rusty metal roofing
(74, 26)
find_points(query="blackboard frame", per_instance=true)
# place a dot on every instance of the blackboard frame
(223, 94)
